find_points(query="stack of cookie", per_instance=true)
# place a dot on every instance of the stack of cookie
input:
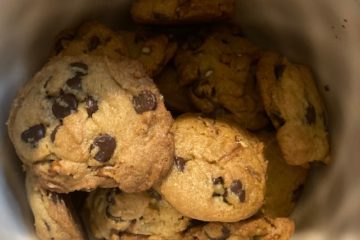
(177, 132)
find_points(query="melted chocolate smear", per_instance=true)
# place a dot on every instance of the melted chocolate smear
(64, 105)
(145, 101)
(106, 145)
(33, 134)
(237, 188)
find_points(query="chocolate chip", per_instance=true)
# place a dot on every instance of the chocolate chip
(277, 119)
(64, 105)
(144, 102)
(225, 233)
(310, 114)
(279, 70)
(105, 146)
(154, 194)
(180, 163)
(225, 41)
(195, 42)
(60, 43)
(34, 134)
(93, 43)
(237, 188)
(218, 180)
(80, 68)
(75, 82)
(297, 193)
(53, 134)
(91, 105)
(112, 217)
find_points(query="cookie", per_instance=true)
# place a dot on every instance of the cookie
(88, 121)
(296, 109)
(261, 228)
(175, 96)
(181, 11)
(111, 212)
(152, 50)
(284, 182)
(220, 71)
(219, 168)
(54, 215)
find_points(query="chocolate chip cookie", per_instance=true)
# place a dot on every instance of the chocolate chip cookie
(296, 109)
(181, 11)
(284, 182)
(260, 228)
(218, 173)
(54, 215)
(220, 71)
(111, 212)
(176, 96)
(151, 49)
(88, 121)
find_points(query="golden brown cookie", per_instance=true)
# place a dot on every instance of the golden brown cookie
(55, 217)
(284, 182)
(181, 11)
(296, 109)
(220, 71)
(260, 228)
(219, 168)
(110, 211)
(88, 121)
(175, 96)
(151, 49)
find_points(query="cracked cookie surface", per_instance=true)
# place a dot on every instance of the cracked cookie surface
(296, 109)
(54, 215)
(181, 11)
(112, 213)
(87, 121)
(219, 68)
(219, 168)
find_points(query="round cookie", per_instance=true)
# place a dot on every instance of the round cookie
(296, 109)
(220, 71)
(181, 11)
(175, 96)
(219, 168)
(152, 50)
(261, 228)
(284, 182)
(54, 215)
(111, 212)
(88, 121)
